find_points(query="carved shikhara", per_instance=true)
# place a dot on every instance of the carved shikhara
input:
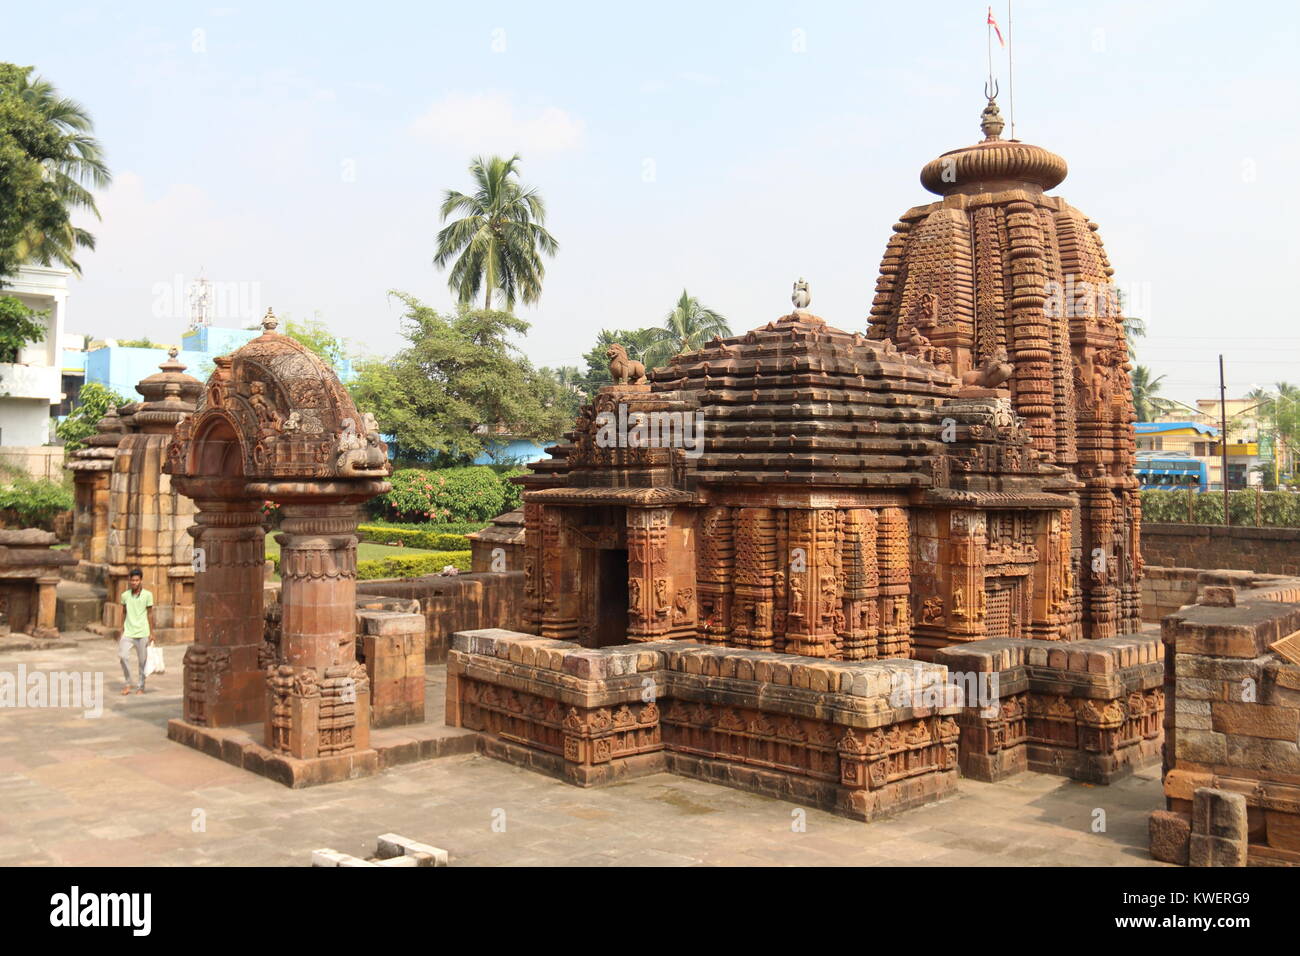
(999, 265)
(274, 423)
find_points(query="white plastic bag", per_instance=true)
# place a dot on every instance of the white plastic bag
(154, 662)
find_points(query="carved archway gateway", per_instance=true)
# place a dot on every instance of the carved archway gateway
(275, 424)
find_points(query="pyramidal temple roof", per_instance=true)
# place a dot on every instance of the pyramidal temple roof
(798, 399)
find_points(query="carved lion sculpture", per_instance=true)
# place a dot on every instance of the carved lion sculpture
(995, 370)
(622, 369)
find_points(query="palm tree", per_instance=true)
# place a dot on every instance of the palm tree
(686, 329)
(495, 245)
(1134, 328)
(1145, 401)
(81, 164)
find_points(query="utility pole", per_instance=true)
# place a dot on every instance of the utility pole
(1223, 439)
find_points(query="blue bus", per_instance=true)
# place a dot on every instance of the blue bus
(1172, 470)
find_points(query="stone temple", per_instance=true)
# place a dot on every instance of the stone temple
(843, 500)
(842, 567)
(999, 268)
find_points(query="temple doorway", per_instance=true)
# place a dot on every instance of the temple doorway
(611, 597)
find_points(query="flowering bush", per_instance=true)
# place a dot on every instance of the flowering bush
(475, 493)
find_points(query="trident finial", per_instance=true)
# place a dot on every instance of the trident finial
(991, 124)
(269, 321)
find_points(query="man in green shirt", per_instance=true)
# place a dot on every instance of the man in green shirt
(137, 627)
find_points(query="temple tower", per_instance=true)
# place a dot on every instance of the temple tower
(148, 518)
(997, 265)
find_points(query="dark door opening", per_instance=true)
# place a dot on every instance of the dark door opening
(611, 598)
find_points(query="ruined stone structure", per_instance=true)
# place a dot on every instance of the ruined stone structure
(91, 469)
(147, 518)
(999, 273)
(499, 546)
(29, 573)
(841, 500)
(1232, 725)
(274, 423)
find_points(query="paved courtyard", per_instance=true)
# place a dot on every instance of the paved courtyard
(113, 790)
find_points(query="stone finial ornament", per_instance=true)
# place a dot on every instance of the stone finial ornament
(801, 296)
(622, 369)
(269, 321)
(991, 124)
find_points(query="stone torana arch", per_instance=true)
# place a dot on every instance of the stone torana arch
(275, 424)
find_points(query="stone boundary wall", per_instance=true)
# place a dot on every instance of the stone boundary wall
(1265, 550)
(819, 733)
(858, 738)
(461, 602)
(1232, 726)
(1088, 710)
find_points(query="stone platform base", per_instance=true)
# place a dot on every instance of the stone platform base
(28, 642)
(857, 804)
(554, 765)
(242, 747)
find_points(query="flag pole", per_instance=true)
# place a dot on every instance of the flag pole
(988, 32)
(1011, 73)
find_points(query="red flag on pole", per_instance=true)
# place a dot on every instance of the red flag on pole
(994, 24)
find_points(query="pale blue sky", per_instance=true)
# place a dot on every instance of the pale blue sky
(302, 149)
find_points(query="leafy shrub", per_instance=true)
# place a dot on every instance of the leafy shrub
(413, 566)
(514, 494)
(33, 502)
(92, 404)
(413, 538)
(1277, 509)
(447, 494)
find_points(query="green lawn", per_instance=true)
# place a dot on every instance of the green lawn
(365, 550)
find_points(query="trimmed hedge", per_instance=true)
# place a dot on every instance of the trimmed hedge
(433, 527)
(402, 566)
(413, 566)
(410, 538)
(1247, 508)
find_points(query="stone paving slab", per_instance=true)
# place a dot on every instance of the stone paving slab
(114, 790)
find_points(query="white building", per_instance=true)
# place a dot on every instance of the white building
(31, 385)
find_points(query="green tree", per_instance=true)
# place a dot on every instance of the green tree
(29, 199)
(19, 325)
(1146, 402)
(316, 335)
(1134, 328)
(458, 386)
(495, 244)
(76, 163)
(635, 341)
(688, 327)
(93, 404)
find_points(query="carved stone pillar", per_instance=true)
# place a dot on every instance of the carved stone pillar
(649, 575)
(815, 566)
(225, 684)
(861, 585)
(895, 565)
(46, 607)
(319, 695)
(966, 543)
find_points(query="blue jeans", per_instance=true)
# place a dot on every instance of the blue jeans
(124, 655)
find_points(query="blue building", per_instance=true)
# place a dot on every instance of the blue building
(121, 368)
